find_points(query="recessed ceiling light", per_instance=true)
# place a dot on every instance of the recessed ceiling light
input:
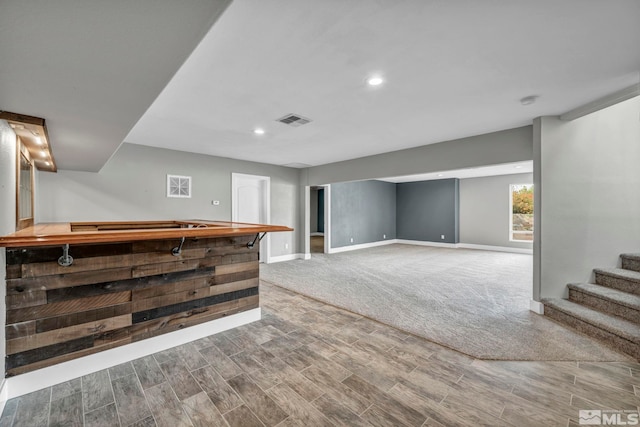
(375, 81)
(258, 131)
(528, 100)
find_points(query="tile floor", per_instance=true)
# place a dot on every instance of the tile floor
(307, 363)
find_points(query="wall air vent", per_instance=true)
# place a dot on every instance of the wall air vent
(294, 120)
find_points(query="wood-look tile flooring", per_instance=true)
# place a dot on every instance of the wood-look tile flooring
(317, 244)
(310, 364)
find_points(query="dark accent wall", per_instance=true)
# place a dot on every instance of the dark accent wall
(364, 211)
(426, 210)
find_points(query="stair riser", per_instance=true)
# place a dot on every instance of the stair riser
(631, 264)
(618, 283)
(604, 305)
(619, 343)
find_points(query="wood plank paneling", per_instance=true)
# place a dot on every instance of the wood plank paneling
(30, 342)
(42, 353)
(21, 329)
(168, 310)
(192, 317)
(105, 262)
(237, 267)
(17, 286)
(26, 299)
(233, 286)
(65, 307)
(114, 294)
(58, 322)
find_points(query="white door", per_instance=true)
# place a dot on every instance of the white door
(250, 203)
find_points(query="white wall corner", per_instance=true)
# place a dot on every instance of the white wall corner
(536, 306)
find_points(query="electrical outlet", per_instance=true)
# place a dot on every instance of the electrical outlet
(442, 236)
(286, 246)
(352, 240)
(384, 236)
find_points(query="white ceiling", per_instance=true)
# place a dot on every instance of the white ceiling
(91, 68)
(503, 169)
(454, 68)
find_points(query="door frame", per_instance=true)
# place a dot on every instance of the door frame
(265, 207)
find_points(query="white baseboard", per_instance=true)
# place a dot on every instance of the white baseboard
(361, 246)
(424, 243)
(536, 307)
(433, 244)
(56, 374)
(306, 256)
(3, 394)
(281, 258)
(496, 248)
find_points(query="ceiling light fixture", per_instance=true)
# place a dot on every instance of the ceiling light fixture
(258, 131)
(32, 133)
(375, 81)
(528, 100)
(440, 174)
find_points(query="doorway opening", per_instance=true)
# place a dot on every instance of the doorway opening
(319, 223)
(250, 203)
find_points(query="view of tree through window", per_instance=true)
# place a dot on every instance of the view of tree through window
(521, 212)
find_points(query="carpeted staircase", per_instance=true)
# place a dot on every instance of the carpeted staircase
(608, 310)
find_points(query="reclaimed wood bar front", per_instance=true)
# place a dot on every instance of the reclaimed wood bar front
(74, 289)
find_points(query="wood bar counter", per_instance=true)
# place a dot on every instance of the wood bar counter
(74, 289)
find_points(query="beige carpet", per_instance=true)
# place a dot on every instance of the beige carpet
(473, 301)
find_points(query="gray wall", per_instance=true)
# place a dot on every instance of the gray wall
(364, 211)
(484, 210)
(132, 186)
(590, 202)
(7, 214)
(427, 210)
(505, 146)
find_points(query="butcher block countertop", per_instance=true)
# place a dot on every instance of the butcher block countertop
(61, 233)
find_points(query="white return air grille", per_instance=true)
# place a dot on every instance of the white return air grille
(294, 120)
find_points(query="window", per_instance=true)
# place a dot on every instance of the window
(521, 212)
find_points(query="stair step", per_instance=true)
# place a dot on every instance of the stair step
(631, 261)
(608, 300)
(619, 333)
(619, 278)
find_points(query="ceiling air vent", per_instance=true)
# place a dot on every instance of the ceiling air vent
(294, 120)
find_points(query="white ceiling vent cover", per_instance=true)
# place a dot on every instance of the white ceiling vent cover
(294, 120)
